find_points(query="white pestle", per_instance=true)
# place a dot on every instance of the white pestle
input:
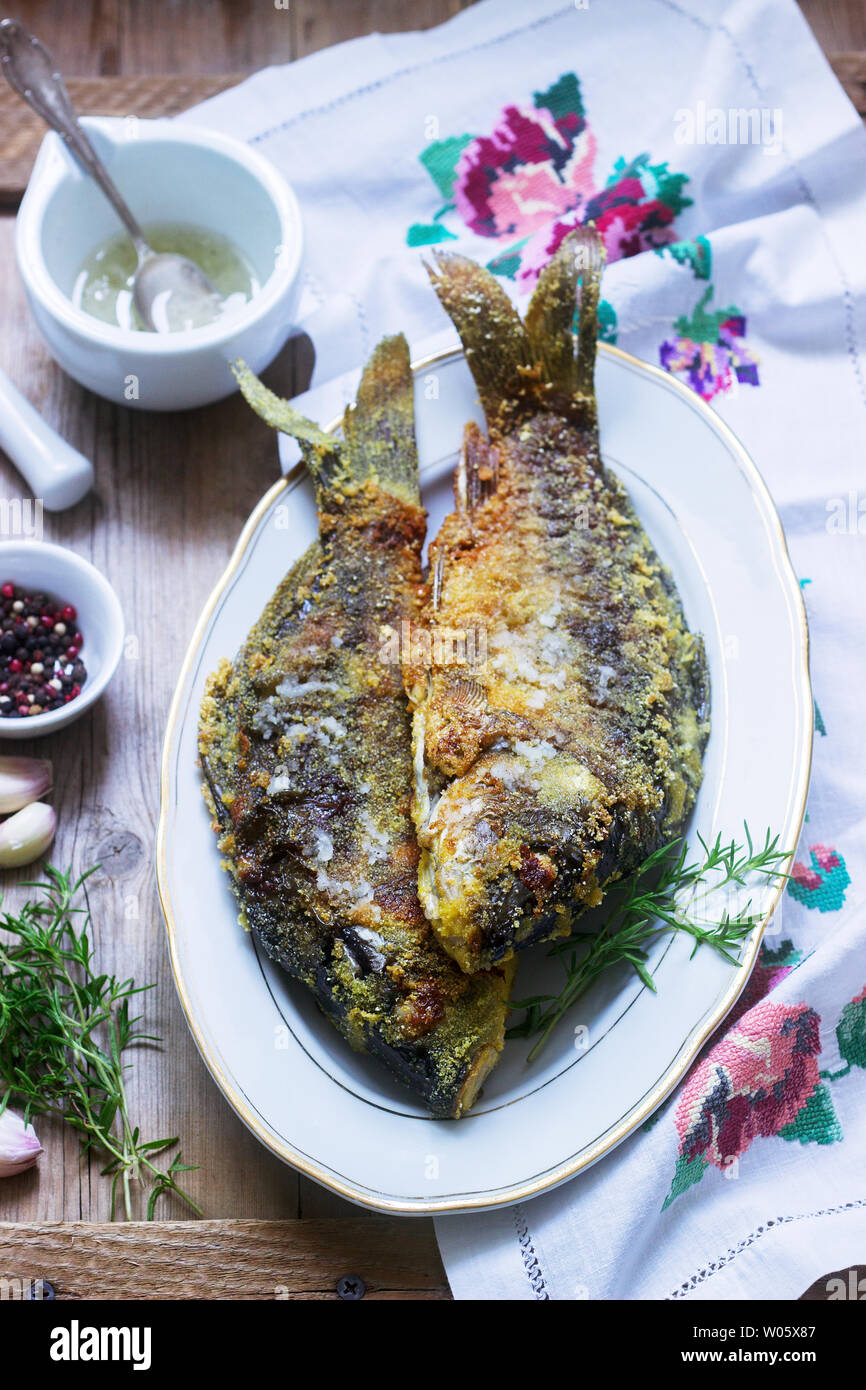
(58, 475)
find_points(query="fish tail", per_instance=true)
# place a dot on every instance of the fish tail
(493, 337)
(379, 429)
(321, 451)
(518, 365)
(550, 318)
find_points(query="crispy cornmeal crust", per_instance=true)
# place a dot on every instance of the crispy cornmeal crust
(568, 744)
(305, 750)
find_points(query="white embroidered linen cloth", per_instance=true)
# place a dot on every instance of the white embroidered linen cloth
(726, 169)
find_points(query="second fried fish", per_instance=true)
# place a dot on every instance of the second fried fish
(561, 755)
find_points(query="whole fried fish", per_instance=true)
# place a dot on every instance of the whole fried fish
(305, 750)
(562, 741)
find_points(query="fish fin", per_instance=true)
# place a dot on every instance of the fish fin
(494, 339)
(551, 313)
(379, 429)
(321, 451)
(477, 476)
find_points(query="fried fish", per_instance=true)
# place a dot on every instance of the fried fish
(564, 743)
(306, 757)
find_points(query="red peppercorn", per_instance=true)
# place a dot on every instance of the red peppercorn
(72, 653)
(15, 665)
(47, 620)
(78, 640)
(8, 591)
(76, 690)
(68, 614)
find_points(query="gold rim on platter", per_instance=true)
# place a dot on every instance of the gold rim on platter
(789, 833)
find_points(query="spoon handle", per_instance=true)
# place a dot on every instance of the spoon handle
(30, 71)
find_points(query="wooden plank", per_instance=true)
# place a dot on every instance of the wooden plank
(850, 68)
(105, 38)
(320, 23)
(222, 1259)
(838, 25)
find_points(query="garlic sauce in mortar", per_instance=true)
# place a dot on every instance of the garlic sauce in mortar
(103, 285)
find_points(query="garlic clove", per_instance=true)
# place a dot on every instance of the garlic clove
(19, 1147)
(23, 780)
(26, 835)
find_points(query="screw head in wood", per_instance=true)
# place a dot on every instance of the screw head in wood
(351, 1286)
(42, 1291)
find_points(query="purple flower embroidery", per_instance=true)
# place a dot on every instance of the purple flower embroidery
(708, 351)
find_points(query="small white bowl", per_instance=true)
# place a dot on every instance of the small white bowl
(168, 172)
(61, 574)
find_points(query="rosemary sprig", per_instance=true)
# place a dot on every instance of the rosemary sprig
(64, 1029)
(662, 895)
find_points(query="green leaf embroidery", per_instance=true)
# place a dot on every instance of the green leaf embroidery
(607, 322)
(427, 234)
(687, 1172)
(670, 187)
(507, 263)
(703, 326)
(562, 99)
(696, 253)
(440, 160)
(785, 953)
(816, 1123)
(851, 1032)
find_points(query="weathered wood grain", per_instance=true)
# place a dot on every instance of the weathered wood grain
(838, 25)
(850, 68)
(222, 1259)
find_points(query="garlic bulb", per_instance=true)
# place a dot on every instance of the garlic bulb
(23, 780)
(26, 835)
(19, 1147)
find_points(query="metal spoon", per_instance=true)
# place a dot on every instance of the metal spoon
(170, 292)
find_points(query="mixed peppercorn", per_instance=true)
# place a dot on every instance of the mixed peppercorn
(40, 644)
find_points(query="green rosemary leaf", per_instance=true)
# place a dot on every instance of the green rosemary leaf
(64, 1031)
(155, 1145)
(661, 897)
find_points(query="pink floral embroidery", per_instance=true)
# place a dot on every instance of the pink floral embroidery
(529, 171)
(827, 858)
(754, 1082)
(534, 178)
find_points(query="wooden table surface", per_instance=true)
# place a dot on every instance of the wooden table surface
(169, 501)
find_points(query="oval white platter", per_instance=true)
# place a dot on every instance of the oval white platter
(336, 1115)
